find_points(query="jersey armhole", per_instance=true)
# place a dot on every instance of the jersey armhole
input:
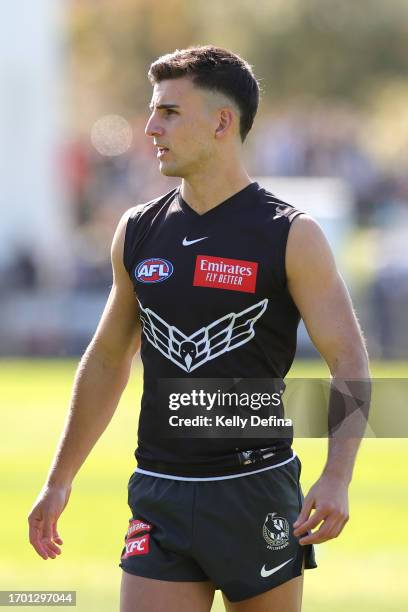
(130, 233)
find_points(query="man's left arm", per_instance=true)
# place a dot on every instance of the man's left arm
(326, 309)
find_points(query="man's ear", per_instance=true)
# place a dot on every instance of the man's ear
(226, 119)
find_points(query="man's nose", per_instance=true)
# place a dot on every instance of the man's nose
(153, 128)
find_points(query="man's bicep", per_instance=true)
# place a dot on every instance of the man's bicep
(329, 318)
(321, 295)
(118, 333)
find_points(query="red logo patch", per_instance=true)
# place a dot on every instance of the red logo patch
(136, 525)
(136, 546)
(223, 273)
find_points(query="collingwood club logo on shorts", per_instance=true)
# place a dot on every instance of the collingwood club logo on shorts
(190, 352)
(275, 531)
(153, 270)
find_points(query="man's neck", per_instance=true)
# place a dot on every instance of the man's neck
(210, 189)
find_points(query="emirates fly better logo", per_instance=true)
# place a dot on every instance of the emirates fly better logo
(225, 273)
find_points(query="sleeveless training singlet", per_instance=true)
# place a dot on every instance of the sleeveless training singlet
(213, 304)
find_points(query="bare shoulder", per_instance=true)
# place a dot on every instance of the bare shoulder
(118, 242)
(117, 337)
(119, 236)
(308, 252)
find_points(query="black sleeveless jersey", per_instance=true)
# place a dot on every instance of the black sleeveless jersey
(214, 305)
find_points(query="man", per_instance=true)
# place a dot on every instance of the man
(218, 272)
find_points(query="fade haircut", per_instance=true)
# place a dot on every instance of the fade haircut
(215, 69)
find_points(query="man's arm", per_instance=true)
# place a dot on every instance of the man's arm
(100, 379)
(326, 309)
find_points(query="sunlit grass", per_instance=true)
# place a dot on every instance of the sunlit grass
(362, 570)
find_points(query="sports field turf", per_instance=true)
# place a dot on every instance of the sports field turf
(364, 570)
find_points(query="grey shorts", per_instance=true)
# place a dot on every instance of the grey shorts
(236, 532)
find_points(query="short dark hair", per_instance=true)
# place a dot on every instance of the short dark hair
(216, 69)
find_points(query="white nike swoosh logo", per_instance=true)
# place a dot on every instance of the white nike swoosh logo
(188, 242)
(265, 573)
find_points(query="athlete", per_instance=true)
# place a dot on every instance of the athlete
(211, 280)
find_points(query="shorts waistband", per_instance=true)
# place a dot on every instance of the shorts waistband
(207, 478)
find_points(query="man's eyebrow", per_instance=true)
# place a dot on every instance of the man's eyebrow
(160, 106)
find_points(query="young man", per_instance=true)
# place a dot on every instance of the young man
(218, 273)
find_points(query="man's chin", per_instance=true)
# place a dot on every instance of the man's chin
(168, 170)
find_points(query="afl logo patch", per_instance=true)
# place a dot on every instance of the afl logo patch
(154, 270)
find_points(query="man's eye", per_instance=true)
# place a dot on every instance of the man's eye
(170, 111)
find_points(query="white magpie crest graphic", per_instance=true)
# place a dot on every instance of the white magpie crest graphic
(190, 352)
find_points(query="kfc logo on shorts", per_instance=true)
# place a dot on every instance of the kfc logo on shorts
(136, 526)
(136, 546)
(154, 270)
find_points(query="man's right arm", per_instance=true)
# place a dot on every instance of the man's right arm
(100, 379)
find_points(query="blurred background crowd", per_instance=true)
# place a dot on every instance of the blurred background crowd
(334, 91)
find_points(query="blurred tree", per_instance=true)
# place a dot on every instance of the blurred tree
(302, 51)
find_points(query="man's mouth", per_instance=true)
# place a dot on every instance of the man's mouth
(161, 151)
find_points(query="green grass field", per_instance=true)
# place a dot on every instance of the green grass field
(364, 570)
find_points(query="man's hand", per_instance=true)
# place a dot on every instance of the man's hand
(329, 497)
(43, 519)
